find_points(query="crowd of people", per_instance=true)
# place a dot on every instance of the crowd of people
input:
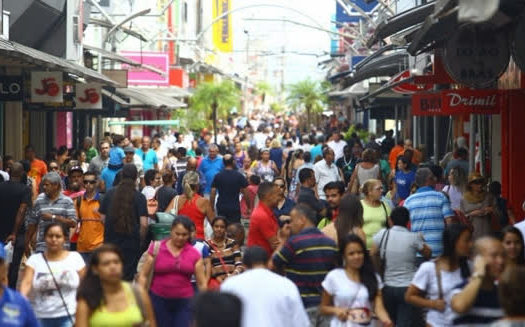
(266, 227)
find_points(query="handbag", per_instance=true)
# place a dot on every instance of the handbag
(354, 181)
(140, 304)
(379, 258)
(175, 210)
(156, 249)
(214, 284)
(58, 289)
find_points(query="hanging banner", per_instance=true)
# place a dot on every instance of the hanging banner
(477, 56)
(457, 102)
(142, 76)
(47, 87)
(11, 88)
(88, 96)
(222, 29)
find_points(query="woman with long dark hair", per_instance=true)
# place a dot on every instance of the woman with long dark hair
(172, 267)
(103, 299)
(351, 293)
(125, 213)
(53, 277)
(349, 221)
(438, 278)
(512, 240)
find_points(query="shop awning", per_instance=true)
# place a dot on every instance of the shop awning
(15, 54)
(354, 90)
(401, 21)
(149, 98)
(173, 92)
(146, 123)
(439, 26)
(387, 65)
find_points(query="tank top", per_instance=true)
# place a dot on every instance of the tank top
(127, 318)
(364, 174)
(190, 209)
(265, 172)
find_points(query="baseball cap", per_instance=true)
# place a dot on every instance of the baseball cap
(73, 165)
(129, 149)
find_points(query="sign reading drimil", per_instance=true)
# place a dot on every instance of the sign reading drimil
(457, 102)
(11, 88)
(88, 96)
(47, 87)
(476, 57)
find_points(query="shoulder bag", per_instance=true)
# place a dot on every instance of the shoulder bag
(354, 181)
(156, 249)
(379, 257)
(175, 209)
(58, 289)
(214, 283)
(142, 308)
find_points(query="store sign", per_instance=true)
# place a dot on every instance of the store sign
(46, 87)
(88, 96)
(408, 87)
(476, 57)
(457, 102)
(11, 88)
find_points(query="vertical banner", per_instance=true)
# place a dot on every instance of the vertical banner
(88, 96)
(222, 29)
(47, 87)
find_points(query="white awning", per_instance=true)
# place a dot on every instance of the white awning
(148, 97)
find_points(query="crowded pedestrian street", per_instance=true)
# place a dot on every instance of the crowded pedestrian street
(262, 163)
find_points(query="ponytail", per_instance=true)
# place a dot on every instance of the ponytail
(188, 191)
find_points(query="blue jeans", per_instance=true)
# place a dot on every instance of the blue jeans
(401, 313)
(171, 312)
(55, 322)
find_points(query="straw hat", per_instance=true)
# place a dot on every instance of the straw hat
(475, 177)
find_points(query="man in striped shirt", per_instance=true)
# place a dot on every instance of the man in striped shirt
(306, 258)
(429, 210)
(50, 206)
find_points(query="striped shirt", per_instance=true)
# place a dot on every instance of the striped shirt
(231, 256)
(63, 206)
(428, 210)
(306, 258)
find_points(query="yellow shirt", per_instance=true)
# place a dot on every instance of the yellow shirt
(127, 318)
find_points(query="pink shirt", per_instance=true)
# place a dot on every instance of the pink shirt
(172, 275)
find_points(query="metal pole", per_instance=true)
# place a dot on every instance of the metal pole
(415, 131)
(436, 143)
(472, 143)
(396, 118)
(482, 134)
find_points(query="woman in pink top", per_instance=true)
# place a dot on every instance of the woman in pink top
(175, 263)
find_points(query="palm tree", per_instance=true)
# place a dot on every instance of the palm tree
(217, 99)
(309, 94)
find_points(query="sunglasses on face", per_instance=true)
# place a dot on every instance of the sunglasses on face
(279, 185)
(53, 167)
(90, 182)
(286, 221)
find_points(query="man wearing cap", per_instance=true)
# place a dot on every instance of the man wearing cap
(50, 206)
(75, 187)
(15, 309)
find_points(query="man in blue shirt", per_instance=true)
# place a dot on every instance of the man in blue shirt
(15, 310)
(211, 166)
(148, 155)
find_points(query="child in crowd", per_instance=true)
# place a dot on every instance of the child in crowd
(116, 154)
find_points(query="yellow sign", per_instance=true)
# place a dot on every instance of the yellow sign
(222, 29)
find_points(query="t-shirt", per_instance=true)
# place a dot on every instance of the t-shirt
(375, 219)
(337, 147)
(347, 293)
(210, 168)
(172, 275)
(425, 280)
(263, 226)
(400, 250)
(47, 302)
(12, 195)
(316, 151)
(91, 234)
(164, 196)
(485, 310)
(229, 183)
(108, 176)
(15, 310)
(403, 183)
(116, 156)
(149, 159)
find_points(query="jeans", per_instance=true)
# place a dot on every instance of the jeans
(171, 312)
(55, 322)
(401, 313)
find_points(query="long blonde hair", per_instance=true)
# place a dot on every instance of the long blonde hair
(190, 183)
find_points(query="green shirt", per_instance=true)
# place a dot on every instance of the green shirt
(375, 219)
(91, 153)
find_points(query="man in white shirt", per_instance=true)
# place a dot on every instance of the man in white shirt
(326, 171)
(337, 144)
(268, 299)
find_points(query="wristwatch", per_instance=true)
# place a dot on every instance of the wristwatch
(53, 217)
